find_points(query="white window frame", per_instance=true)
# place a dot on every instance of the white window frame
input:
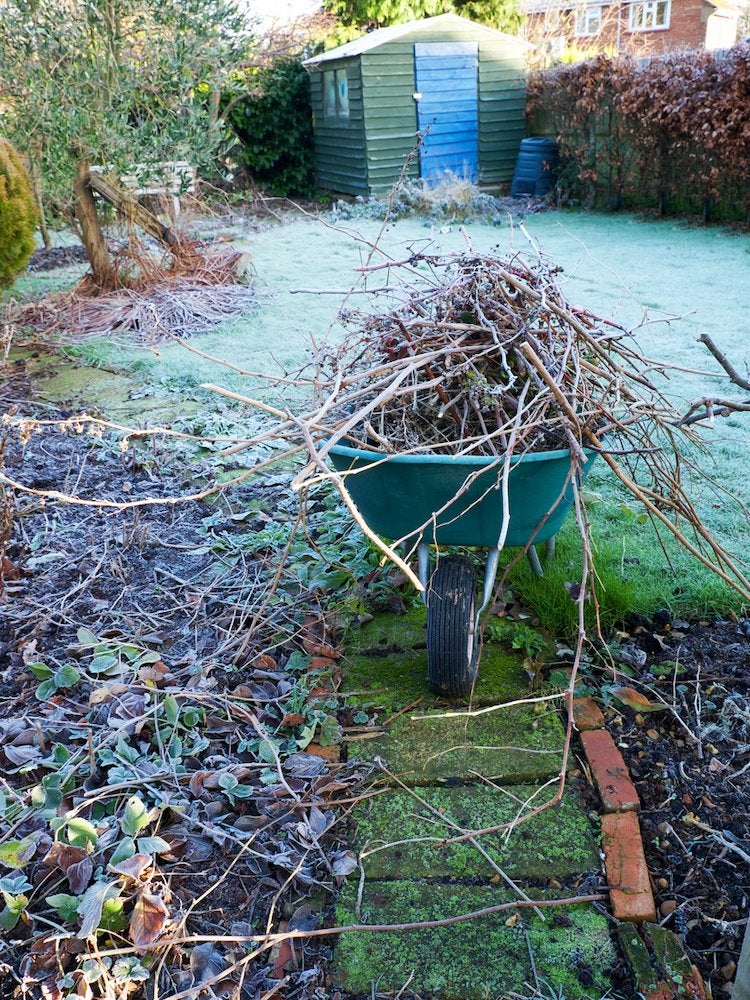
(588, 21)
(650, 15)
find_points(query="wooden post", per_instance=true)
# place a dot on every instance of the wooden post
(91, 232)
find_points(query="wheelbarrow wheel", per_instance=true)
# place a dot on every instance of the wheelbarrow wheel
(451, 626)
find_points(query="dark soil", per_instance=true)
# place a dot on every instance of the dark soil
(54, 257)
(178, 582)
(691, 765)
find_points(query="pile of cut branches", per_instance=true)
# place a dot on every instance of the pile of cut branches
(484, 358)
(476, 354)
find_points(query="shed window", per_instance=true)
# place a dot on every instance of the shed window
(588, 21)
(335, 94)
(651, 15)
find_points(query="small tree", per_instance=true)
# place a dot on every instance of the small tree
(18, 216)
(504, 15)
(115, 83)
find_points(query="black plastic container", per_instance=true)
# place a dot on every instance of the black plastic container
(536, 168)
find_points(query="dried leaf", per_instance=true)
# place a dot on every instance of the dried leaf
(635, 700)
(91, 906)
(632, 655)
(304, 918)
(206, 962)
(132, 867)
(147, 922)
(319, 821)
(29, 652)
(21, 755)
(79, 875)
(344, 862)
(293, 719)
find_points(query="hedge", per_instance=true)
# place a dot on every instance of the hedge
(671, 133)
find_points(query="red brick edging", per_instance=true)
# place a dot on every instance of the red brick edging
(630, 892)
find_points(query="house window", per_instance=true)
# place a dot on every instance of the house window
(651, 15)
(335, 94)
(588, 21)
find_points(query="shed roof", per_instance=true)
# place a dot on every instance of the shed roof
(365, 43)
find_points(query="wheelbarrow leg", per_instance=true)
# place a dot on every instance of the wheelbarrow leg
(423, 559)
(533, 557)
(490, 575)
(549, 548)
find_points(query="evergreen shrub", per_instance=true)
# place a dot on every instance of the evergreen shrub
(18, 215)
(274, 125)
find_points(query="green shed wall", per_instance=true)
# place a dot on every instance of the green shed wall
(390, 113)
(340, 153)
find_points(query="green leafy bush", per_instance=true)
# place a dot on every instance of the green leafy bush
(274, 125)
(17, 215)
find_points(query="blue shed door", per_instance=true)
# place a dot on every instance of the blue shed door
(447, 114)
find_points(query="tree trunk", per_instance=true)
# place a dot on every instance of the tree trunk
(36, 185)
(93, 239)
(214, 107)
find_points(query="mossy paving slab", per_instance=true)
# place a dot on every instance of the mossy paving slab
(74, 383)
(386, 666)
(511, 745)
(557, 843)
(99, 390)
(397, 679)
(481, 958)
(389, 631)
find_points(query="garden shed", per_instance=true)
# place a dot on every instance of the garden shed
(460, 85)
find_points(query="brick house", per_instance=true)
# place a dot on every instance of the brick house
(638, 27)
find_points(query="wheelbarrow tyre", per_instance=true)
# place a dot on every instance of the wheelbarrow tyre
(451, 624)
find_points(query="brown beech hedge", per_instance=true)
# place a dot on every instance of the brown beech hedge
(671, 133)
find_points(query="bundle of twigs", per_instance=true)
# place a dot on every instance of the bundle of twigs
(485, 358)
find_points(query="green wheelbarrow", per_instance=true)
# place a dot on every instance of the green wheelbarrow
(460, 500)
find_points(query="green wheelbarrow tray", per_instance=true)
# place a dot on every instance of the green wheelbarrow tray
(458, 500)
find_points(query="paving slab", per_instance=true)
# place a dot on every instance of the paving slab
(386, 666)
(485, 957)
(443, 753)
(558, 843)
(511, 745)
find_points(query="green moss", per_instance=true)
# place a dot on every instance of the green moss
(475, 959)
(557, 843)
(99, 390)
(386, 665)
(510, 745)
